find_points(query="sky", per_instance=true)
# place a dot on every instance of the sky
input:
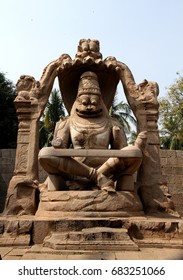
(146, 35)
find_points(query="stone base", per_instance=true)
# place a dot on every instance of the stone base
(91, 221)
(98, 238)
(7, 240)
(89, 204)
(92, 234)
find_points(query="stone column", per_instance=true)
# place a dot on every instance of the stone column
(21, 197)
(24, 117)
(142, 99)
(149, 175)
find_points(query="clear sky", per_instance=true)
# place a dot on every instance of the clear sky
(147, 35)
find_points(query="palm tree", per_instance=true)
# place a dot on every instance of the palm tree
(132, 138)
(53, 112)
(123, 113)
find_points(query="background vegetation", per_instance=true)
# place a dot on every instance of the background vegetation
(8, 118)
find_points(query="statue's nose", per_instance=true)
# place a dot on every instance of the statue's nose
(89, 107)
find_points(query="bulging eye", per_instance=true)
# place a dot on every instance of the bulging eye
(84, 102)
(94, 102)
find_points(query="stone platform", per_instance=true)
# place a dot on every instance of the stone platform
(92, 234)
(93, 239)
(80, 221)
(89, 204)
(39, 252)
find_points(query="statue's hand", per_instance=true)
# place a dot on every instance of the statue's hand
(56, 143)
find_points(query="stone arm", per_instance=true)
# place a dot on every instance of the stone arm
(128, 82)
(142, 98)
(139, 95)
(45, 84)
(62, 137)
(118, 140)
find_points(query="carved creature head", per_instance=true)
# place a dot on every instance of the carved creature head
(152, 88)
(25, 83)
(88, 47)
(89, 103)
(148, 92)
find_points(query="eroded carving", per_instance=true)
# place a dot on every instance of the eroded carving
(90, 127)
(88, 85)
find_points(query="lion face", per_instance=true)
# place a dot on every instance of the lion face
(89, 106)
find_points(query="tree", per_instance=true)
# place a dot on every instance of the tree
(171, 117)
(132, 138)
(8, 118)
(53, 112)
(123, 113)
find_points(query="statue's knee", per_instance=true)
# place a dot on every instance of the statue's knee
(42, 160)
(50, 164)
(64, 164)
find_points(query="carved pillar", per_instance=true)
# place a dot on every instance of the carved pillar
(142, 99)
(32, 166)
(23, 109)
(149, 175)
(21, 197)
(30, 103)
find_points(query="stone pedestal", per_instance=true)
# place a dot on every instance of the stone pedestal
(97, 239)
(89, 204)
(86, 234)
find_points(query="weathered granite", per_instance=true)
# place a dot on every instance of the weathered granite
(31, 101)
(168, 158)
(89, 203)
(98, 239)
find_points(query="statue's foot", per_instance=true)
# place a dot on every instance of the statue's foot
(105, 183)
(108, 188)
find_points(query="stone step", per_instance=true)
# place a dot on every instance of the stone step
(141, 231)
(7, 240)
(98, 238)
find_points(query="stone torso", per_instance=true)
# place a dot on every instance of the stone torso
(90, 135)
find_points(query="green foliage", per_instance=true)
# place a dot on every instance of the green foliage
(8, 118)
(53, 112)
(132, 138)
(171, 117)
(123, 113)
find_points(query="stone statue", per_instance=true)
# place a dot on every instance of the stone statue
(90, 127)
(89, 151)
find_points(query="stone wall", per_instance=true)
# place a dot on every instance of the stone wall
(172, 173)
(7, 164)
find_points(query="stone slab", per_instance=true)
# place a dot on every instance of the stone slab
(38, 252)
(133, 153)
(161, 243)
(89, 203)
(144, 231)
(16, 240)
(99, 238)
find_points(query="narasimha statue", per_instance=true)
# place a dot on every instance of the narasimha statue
(89, 154)
(90, 126)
